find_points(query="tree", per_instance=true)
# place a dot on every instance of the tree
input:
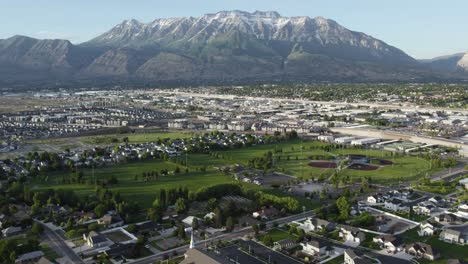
(69, 224)
(218, 217)
(181, 232)
(99, 210)
(132, 228)
(229, 224)
(36, 229)
(256, 229)
(180, 206)
(267, 240)
(343, 207)
(195, 223)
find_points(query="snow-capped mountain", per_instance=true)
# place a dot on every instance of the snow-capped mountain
(268, 28)
(226, 47)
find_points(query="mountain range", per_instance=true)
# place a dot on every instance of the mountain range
(229, 46)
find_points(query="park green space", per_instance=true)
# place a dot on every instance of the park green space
(404, 168)
(203, 169)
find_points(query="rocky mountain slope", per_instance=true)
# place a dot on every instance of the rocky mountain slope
(451, 63)
(223, 47)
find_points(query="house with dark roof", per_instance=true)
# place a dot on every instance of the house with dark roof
(266, 213)
(111, 221)
(315, 224)
(424, 209)
(96, 240)
(284, 244)
(390, 243)
(350, 257)
(448, 218)
(11, 231)
(395, 205)
(119, 250)
(353, 234)
(454, 236)
(314, 248)
(422, 250)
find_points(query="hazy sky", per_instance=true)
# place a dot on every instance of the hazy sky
(421, 28)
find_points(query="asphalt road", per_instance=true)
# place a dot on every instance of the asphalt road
(56, 243)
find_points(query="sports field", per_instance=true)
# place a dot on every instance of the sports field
(404, 168)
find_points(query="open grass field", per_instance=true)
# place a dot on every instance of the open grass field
(136, 190)
(405, 168)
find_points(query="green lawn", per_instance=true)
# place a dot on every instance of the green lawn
(407, 168)
(277, 234)
(137, 190)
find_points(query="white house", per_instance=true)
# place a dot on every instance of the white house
(426, 229)
(390, 243)
(353, 234)
(424, 209)
(464, 183)
(315, 224)
(350, 257)
(454, 236)
(314, 248)
(395, 205)
(463, 210)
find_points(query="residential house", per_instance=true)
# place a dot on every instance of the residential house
(391, 243)
(448, 218)
(284, 244)
(376, 198)
(96, 240)
(266, 213)
(110, 221)
(395, 205)
(11, 231)
(454, 236)
(314, 248)
(464, 183)
(119, 250)
(426, 229)
(424, 209)
(353, 234)
(315, 224)
(422, 250)
(463, 210)
(437, 201)
(350, 257)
